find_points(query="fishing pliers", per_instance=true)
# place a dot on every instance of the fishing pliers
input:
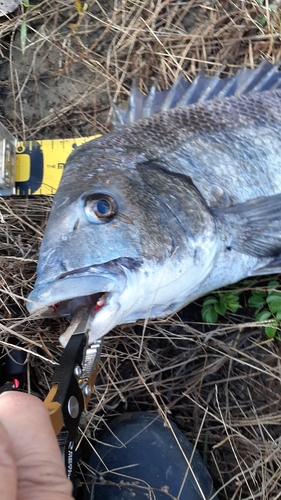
(71, 389)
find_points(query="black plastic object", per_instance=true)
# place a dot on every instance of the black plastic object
(12, 369)
(144, 460)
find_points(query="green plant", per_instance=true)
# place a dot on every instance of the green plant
(267, 305)
(23, 27)
(262, 20)
(218, 304)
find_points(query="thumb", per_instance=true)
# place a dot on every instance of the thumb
(8, 473)
(33, 467)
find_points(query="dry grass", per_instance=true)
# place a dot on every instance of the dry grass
(221, 387)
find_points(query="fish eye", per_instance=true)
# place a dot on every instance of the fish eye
(100, 208)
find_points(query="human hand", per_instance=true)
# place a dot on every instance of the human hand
(31, 466)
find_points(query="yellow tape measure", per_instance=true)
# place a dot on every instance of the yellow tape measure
(39, 164)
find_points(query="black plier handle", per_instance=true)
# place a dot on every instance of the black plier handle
(65, 399)
(70, 392)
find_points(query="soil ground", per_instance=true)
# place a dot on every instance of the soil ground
(60, 69)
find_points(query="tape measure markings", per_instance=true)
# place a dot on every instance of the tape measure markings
(40, 164)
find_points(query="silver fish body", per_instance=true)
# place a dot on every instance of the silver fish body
(169, 207)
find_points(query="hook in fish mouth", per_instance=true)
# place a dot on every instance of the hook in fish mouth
(78, 308)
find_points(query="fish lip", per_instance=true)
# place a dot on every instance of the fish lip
(110, 277)
(72, 286)
(80, 272)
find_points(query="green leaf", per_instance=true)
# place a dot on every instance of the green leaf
(273, 296)
(219, 303)
(272, 285)
(270, 331)
(274, 302)
(209, 300)
(209, 315)
(259, 293)
(264, 315)
(278, 315)
(232, 302)
(220, 309)
(256, 302)
(275, 306)
(222, 299)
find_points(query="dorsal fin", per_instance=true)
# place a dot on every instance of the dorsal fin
(182, 93)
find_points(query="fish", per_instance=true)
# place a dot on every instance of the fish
(183, 197)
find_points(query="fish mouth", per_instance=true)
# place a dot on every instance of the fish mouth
(55, 298)
(95, 289)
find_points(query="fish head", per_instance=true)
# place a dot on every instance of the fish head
(125, 237)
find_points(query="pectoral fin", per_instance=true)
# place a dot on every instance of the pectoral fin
(254, 227)
(273, 267)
